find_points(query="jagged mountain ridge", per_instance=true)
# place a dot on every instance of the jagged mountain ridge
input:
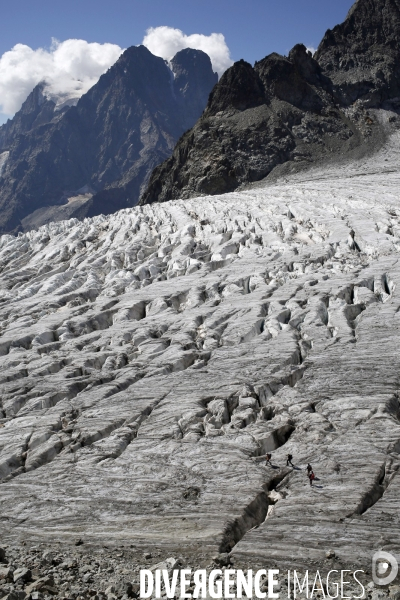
(361, 56)
(115, 135)
(35, 111)
(299, 108)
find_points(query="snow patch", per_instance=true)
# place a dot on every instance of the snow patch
(3, 160)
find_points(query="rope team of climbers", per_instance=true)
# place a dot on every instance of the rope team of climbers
(309, 469)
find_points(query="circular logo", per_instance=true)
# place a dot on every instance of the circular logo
(384, 568)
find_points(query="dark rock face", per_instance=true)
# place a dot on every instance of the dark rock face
(295, 108)
(35, 111)
(193, 81)
(257, 118)
(362, 55)
(107, 145)
(295, 79)
(240, 88)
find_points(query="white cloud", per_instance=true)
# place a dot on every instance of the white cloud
(167, 41)
(311, 49)
(69, 68)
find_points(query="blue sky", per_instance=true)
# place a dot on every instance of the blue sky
(252, 28)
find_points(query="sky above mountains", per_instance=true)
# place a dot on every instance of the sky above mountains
(72, 43)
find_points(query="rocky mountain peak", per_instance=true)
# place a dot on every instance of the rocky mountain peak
(131, 77)
(108, 143)
(35, 99)
(193, 80)
(289, 109)
(290, 78)
(305, 64)
(362, 55)
(36, 110)
(192, 68)
(239, 87)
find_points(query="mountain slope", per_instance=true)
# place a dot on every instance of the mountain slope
(362, 55)
(115, 135)
(35, 111)
(300, 108)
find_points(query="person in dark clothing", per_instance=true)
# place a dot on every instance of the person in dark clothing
(309, 469)
(289, 460)
(268, 459)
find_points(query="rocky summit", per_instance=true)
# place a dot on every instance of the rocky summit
(361, 56)
(62, 161)
(150, 359)
(286, 112)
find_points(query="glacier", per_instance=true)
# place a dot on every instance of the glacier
(151, 358)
